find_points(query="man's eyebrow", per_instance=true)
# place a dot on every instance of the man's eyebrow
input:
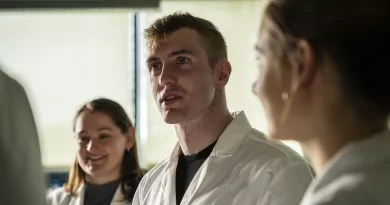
(181, 52)
(151, 58)
(172, 54)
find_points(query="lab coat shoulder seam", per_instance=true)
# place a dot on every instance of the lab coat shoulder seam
(283, 149)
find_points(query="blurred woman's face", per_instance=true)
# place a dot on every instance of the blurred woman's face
(273, 79)
(101, 146)
(290, 87)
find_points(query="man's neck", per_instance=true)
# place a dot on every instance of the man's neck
(202, 131)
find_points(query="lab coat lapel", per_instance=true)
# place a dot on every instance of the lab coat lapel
(79, 200)
(119, 198)
(195, 183)
(169, 181)
(211, 173)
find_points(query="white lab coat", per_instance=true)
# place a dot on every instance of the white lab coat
(243, 169)
(21, 174)
(358, 175)
(61, 197)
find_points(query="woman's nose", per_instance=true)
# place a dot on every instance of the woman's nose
(92, 144)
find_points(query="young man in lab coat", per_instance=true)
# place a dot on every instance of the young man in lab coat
(219, 159)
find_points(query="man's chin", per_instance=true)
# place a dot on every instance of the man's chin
(170, 120)
(172, 116)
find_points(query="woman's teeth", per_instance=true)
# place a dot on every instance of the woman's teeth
(94, 158)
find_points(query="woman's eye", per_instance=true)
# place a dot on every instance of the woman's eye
(102, 137)
(83, 139)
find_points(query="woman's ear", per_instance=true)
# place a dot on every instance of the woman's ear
(130, 138)
(305, 70)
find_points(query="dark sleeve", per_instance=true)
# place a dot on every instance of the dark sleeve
(21, 174)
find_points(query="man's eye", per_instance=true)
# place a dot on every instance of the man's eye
(155, 66)
(183, 60)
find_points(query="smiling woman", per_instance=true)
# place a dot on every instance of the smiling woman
(106, 168)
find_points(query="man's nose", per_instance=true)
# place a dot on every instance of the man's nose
(167, 77)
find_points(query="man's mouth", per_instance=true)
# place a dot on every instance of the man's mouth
(171, 97)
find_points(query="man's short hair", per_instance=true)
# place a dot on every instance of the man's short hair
(213, 40)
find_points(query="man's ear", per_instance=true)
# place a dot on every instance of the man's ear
(222, 71)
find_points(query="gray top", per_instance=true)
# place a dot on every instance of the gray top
(100, 194)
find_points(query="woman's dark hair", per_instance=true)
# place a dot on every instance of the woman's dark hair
(354, 34)
(131, 172)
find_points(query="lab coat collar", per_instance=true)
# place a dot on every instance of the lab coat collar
(358, 155)
(233, 136)
(227, 144)
(78, 197)
(118, 196)
(230, 139)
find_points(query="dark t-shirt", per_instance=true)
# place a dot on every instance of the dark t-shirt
(100, 194)
(187, 167)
